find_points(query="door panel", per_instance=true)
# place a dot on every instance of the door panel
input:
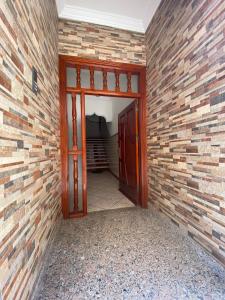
(128, 152)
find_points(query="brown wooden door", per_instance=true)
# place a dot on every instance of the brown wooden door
(128, 152)
(73, 153)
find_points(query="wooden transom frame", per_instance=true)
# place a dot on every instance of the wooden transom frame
(105, 66)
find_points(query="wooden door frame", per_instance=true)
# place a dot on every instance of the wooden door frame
(106, 66)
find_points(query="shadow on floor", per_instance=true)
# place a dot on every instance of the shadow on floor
(129, 253)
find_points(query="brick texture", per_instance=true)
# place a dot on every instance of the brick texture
(29, 141)
(185, 46)
(101, 42)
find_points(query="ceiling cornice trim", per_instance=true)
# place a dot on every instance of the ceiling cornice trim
(77, 13)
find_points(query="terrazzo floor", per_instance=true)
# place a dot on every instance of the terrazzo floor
(103, 193)
(129, 253)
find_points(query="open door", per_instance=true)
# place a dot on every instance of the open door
(128, 152)
(80, 77)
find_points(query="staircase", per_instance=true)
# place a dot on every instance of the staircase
(96, 154)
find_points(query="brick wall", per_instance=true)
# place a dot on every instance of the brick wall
(185, 45)
(101, 42)
(29, 141)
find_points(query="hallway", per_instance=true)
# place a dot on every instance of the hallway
(103, 193)
(128, 253)
(131, 88)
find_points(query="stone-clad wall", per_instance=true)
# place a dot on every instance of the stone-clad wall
(29, 141)
(185, 46)
(101, 42)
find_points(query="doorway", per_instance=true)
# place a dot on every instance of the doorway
(105, 152)
(99, 78)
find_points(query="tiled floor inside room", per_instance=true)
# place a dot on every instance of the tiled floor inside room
(103, 192)
(128, 253)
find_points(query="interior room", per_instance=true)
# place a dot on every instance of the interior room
(102, 140)
(112, 149)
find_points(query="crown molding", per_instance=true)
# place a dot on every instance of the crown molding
(77, 13)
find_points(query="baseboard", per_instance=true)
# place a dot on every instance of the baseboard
(110, 171)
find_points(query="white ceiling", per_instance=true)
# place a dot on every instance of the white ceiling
(134, 15)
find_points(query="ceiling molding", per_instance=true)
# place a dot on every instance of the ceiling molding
(77, 13)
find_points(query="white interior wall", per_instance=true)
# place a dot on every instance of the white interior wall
(117, 106)
(101, 106)
(108, 107)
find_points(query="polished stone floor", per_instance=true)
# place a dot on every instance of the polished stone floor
(103, 192)
(129, 253)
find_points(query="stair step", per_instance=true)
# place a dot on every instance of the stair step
(96, 152)
(95, 155)
(98, 163)
(98, 159)
(94, 168)
(95, 139)
(95, 145)
(95, 142)
(95, 148)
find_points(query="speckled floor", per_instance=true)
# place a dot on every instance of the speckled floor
(103, 192)
(128, 253)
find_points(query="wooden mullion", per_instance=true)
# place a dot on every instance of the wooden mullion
(78, 214)
(105, 81)
(77, 152)
(75, 175)
(74, 121)
(75, 162)
(84, 159)
(78, 77)
(117, 75)
(92, 78)
(129, 90)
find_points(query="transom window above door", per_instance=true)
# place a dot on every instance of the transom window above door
(103, 79)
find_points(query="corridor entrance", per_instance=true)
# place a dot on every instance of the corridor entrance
(111, 152)
(80, 79)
